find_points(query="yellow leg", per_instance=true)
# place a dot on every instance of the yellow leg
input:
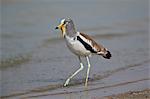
(81, 67)
(88, 70)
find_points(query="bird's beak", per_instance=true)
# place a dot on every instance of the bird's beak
(59, 26)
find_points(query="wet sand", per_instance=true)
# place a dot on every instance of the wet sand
(144, 94)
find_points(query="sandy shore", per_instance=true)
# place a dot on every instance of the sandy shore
(144, 94)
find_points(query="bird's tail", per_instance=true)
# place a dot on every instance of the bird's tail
(106, 54)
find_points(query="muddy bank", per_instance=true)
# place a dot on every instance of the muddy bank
(144, 94)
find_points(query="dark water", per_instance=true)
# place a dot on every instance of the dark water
(34, 55)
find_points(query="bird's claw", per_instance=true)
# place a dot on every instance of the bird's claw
(67, 82)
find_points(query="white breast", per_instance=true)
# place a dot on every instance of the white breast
(76, 46)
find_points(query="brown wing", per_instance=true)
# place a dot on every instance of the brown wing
(97, 47)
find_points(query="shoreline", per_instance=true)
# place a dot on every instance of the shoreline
(144, 94)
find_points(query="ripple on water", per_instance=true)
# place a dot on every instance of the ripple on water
(14, 61)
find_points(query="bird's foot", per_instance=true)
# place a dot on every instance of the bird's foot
(85, 84)
(67, 82)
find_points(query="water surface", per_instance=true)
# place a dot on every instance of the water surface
(35, 58)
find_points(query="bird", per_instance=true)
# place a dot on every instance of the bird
(82, 45)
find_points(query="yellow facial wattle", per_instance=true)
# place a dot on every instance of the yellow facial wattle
(62, 27)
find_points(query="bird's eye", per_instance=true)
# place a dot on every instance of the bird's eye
(65, 22)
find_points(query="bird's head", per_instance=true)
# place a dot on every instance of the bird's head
(66, 26)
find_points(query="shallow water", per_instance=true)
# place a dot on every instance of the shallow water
(36, 61)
